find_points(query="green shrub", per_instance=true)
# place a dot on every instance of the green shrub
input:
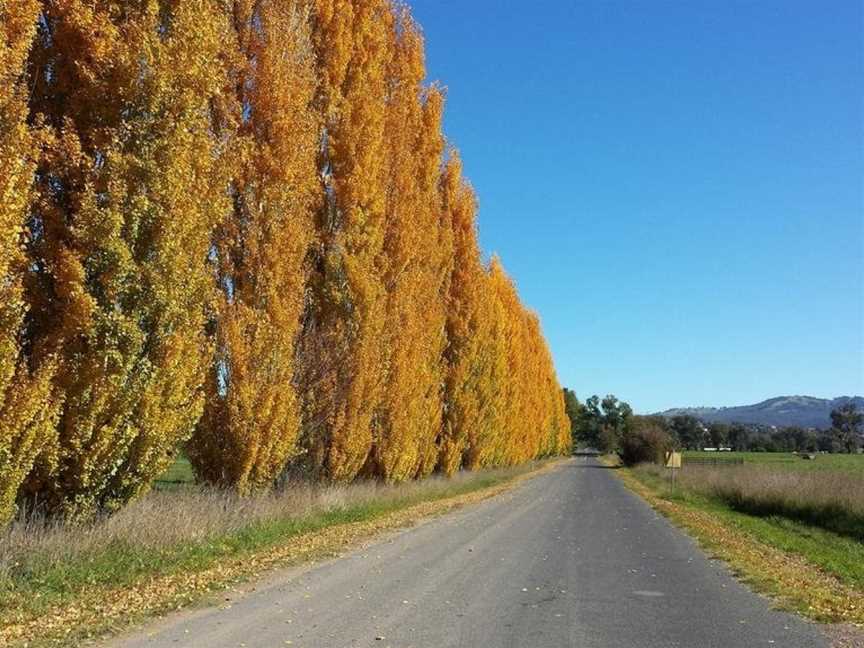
(645, 443)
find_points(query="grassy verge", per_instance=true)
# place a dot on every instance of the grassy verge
(829, 500)
(805, 568)
(60, 585)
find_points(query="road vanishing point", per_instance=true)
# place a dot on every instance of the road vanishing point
(568, 558)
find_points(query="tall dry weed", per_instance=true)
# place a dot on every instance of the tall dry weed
(827, 499)
(164, 520)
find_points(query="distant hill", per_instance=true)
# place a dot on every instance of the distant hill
(800, 411)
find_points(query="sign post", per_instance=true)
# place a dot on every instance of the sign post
(673, 463)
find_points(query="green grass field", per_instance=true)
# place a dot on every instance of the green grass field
(178, 474)
(852, 464)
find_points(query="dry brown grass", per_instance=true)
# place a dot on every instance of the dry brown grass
(164, 520)
(827, 499)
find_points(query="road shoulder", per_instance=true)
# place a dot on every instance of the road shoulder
(791, 582)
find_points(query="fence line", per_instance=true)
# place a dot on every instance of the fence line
(713, 461)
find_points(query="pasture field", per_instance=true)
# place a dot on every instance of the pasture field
(848, 463)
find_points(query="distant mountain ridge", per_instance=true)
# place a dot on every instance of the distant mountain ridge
(800, 411)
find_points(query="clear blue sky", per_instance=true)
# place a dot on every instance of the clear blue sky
(676, 187)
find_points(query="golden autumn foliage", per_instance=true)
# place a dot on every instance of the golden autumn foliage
(343, 350)
(129, 191)
(418, 247)
(235, 224)
(469, 411)
(525, 417)
(26, 410)
(252, 416)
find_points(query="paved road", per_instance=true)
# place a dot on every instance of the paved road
(569, 558)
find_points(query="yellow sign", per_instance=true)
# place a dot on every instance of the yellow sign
(673, 459)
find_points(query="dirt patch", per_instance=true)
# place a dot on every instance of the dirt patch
(846, 636)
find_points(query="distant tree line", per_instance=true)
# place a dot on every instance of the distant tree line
(610, 425)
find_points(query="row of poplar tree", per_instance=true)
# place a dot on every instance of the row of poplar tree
(235, 227)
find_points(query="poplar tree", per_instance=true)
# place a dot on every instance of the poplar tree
(419, 250)
(468, 330)
(485, 373)
(26, 407)
(129, 191)
(489, 451)
(343, 352)
(252, 417)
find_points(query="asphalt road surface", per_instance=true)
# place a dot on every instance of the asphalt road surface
(569, 558)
